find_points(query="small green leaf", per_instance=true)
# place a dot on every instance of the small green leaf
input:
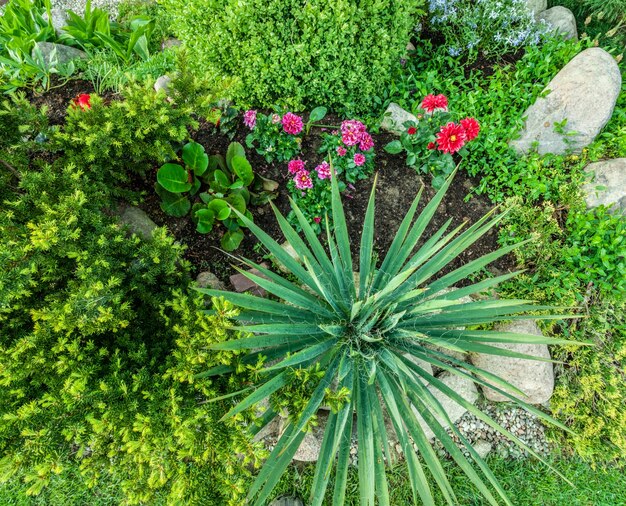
(174, 178)
(317, 114)
(206, 218)
(234, 149)
(232, 239)
(220, 208)
(195, 157)
(174, 204)
(237, 201)
(241, 166)
(221, 180)
(394, 147)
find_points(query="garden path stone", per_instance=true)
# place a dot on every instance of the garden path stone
(64, 53)
(537, 6)
(207, 279)
(462, 386)
(394, 119)
(561, 20)
(608, 184)
(137, 221)
(534, 378)
(243, 284)
(583, 94)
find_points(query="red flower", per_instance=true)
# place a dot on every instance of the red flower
(317, 219)
(433, 102)
(411, 131)
(431, 145)
(471, 127)
(83, 101)
(451, 138)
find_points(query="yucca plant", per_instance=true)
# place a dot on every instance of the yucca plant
(363, 333)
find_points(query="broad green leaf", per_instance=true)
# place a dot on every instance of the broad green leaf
(220, 208)
(242, 168)
(195, 157)
(232, 239)
(174, 178)
(206, 219)
(317, 114)
(234, 149)
(394, 147)
(237, 201)
(174, 204)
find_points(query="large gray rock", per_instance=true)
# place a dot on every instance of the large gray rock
(137, 221)
(394, 119)
(607, 185)
(462, 386)
(58, 54)
(583, 94)
(561, 20)
(533, 377)
(537, 6)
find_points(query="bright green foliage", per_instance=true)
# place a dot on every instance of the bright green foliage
(298, 54)
(126, 135)
(364, 332)
(592, 387)
(98, 350)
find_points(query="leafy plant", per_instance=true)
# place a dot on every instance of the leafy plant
(431, 141)
(272, 136)
(365, 331)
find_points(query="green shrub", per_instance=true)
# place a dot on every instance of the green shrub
(295, 53)
(591, 387)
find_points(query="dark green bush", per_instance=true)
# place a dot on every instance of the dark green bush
(296, 53)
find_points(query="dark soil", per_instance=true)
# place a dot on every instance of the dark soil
(397, 187)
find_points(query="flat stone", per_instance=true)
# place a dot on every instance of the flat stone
(561, 20)
(483, 448)
(209, 280)
(608, 185)
(286, 501)
(137, 221)
(243, 284)
(64, 54)
(394, 119)
(533, 377)
(583, 95)
(462, 386)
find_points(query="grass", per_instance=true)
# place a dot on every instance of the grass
(528, 482)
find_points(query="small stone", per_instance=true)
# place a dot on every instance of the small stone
(170, 42)
(286, 501)
(137, 221)
(394, 119)
(410, 47)
(209, 280)
(533, 377)
(243, 284)
(608, 185)
(162, 83)
(561, 20)
(57, 54)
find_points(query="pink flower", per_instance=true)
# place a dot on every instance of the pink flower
(471, 127)
(350, 138)
(323, 170)
(366, 142)
(292, 123)
(295, 166)
(433, 103)
(451, 138)
(303, 180)
(249, 118)
(359, 159)
(341, 151)
(352, 125)
(317, 219)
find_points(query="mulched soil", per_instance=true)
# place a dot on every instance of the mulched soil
(397, 187)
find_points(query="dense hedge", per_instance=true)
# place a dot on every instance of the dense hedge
(295, 53)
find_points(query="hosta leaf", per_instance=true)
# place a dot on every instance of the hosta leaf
(174, 178)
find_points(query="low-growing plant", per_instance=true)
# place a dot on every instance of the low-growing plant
(364, 331)
(275, 136)
(431, 141)
(350, 150)
(484, 27)
(231, 182)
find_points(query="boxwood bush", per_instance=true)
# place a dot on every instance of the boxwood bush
(296, 53)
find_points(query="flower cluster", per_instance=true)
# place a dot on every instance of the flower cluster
(431, 142)
(275, 136)
(494, 27)
(351, 149)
